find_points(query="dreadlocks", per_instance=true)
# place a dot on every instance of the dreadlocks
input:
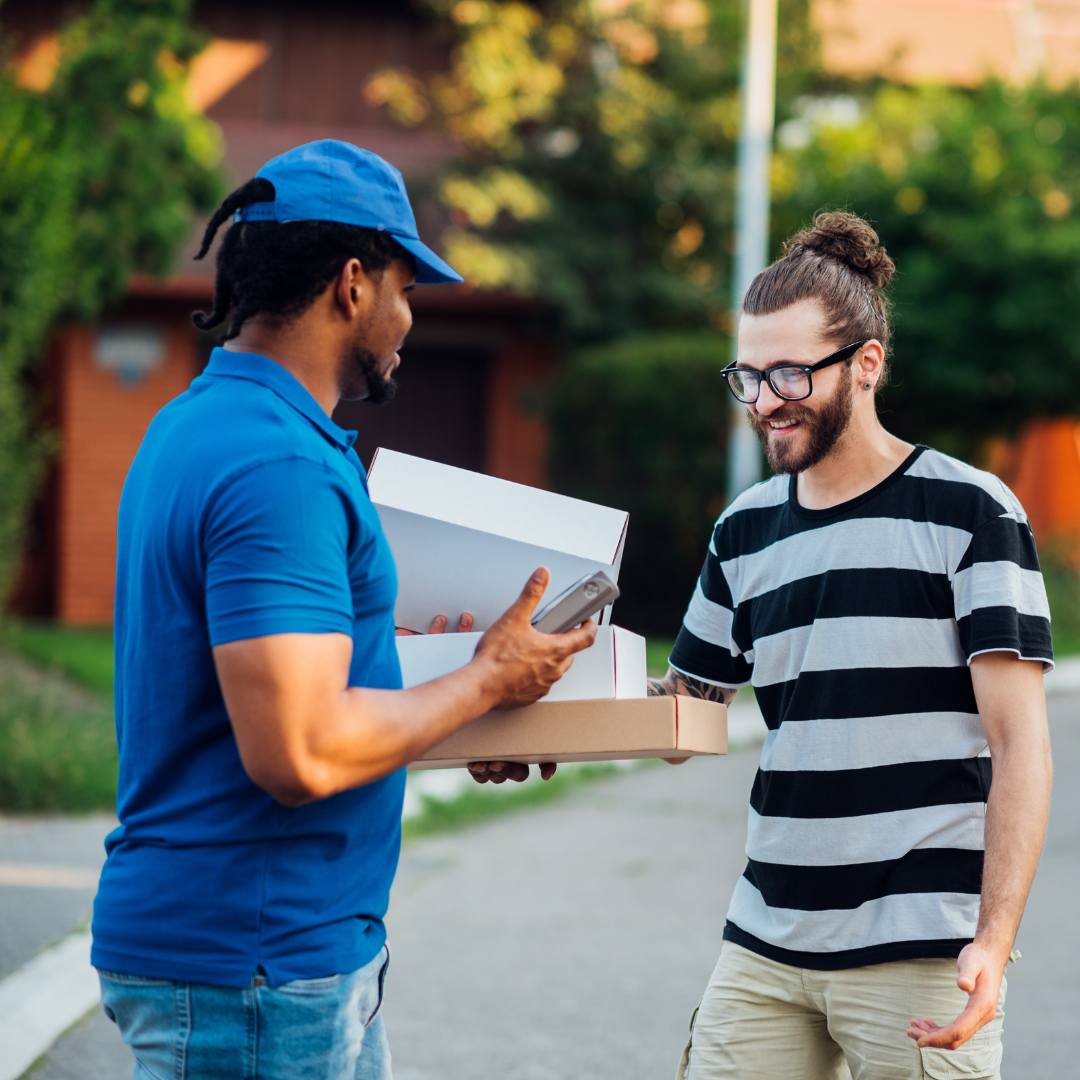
(281, 267)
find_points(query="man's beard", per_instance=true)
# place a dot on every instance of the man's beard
(825, 426)
(364, 380)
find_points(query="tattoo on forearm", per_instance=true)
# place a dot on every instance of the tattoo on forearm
(674, 682)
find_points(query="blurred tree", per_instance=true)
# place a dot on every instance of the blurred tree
(596, 172)
(100, 175)
(641, 424)
(974, 192)
(597, 151)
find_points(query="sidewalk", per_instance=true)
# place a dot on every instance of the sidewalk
(572, 941)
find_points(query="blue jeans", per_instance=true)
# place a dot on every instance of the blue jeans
(309, 1029)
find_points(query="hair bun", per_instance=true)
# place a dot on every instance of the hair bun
(849, 240)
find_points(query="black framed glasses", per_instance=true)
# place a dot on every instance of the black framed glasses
(791, 382)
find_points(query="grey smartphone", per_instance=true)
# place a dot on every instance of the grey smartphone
(574, 605)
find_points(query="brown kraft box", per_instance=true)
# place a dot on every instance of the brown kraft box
(597, 730)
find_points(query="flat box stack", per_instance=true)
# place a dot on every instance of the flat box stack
(463, 541)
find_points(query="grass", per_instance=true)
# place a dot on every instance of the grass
(657, 651)
(85, 656)
(53, 756)
(56, 754)
(1063, 592)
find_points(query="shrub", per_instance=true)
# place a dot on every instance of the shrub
(641, 424)
(1058, 561)
(53, 758)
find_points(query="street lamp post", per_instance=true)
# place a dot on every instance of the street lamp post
(752, 206)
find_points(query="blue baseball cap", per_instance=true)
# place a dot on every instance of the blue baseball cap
(329, 180)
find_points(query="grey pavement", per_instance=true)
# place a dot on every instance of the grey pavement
(31, 916)
(571, 942)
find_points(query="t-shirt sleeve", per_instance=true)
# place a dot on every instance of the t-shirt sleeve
(276, 544)
(999, 595)
(706, 648)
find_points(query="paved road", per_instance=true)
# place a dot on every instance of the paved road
(571, 942)
(39, 905)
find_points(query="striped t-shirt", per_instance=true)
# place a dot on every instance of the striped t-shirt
(855, 626)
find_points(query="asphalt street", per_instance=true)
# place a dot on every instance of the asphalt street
(572, 941)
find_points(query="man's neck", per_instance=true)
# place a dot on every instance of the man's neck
(865, 455)
(298, 352)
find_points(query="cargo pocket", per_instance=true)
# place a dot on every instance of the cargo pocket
(979, 1057)
(684, 1061)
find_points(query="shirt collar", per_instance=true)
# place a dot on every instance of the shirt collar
(261, 369)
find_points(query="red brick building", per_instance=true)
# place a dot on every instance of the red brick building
(277, 74)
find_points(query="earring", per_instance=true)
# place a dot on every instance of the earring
(866, 386)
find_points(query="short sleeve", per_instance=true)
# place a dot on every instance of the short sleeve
(276, 547)
(999, 595)
(706, 648)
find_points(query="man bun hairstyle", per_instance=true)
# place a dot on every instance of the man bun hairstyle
(840, 262)
(279, 268)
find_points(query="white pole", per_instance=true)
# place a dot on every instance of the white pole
(752, 206)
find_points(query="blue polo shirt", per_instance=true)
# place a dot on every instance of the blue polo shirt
(245, 513)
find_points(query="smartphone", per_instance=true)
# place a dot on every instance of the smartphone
(573, 606)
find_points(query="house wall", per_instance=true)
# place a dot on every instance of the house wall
(101, 421)
(320, 54)
(470, 390)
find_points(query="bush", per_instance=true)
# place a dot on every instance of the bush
(84, 655)
(52, 758)
(975, 194)
(1058, 562)
(641, 424)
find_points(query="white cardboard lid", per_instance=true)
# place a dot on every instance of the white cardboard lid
(485, 503)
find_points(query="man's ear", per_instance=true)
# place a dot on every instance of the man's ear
(353, 290)
(871, 361)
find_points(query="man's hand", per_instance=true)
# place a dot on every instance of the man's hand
(539, 660)
(979, 977)
(498, 772)
(304, 733)
(1009, 693)
(522, 663)
(438, 626)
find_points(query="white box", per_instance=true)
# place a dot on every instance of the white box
(463, 541)
(613, 667)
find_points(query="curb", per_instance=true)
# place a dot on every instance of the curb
(42, 999)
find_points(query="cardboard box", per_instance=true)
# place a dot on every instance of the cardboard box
(463, 541)
(613, 667)
(655, 727)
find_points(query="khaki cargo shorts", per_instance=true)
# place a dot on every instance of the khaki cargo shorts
(761, 1020)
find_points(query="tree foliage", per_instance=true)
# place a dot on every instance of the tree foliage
(598, 149)
(641, 424)
(100, 176)
(974, 192)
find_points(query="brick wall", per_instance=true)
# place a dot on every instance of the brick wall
(102, 420)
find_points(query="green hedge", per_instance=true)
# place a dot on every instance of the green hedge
(52, 758)
(84, 655)
(641, 424)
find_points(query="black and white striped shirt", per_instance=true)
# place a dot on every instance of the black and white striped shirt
(855, 626)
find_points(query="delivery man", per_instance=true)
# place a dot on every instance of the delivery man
(885, 602)
(238, 928)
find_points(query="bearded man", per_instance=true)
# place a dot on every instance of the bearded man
(886, 604)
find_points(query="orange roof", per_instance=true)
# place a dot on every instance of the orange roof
(955, 41)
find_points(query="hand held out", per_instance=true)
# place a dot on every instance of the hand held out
(525, 664)
(979, 976)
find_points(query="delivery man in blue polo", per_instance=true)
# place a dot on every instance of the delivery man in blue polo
(263, 731)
